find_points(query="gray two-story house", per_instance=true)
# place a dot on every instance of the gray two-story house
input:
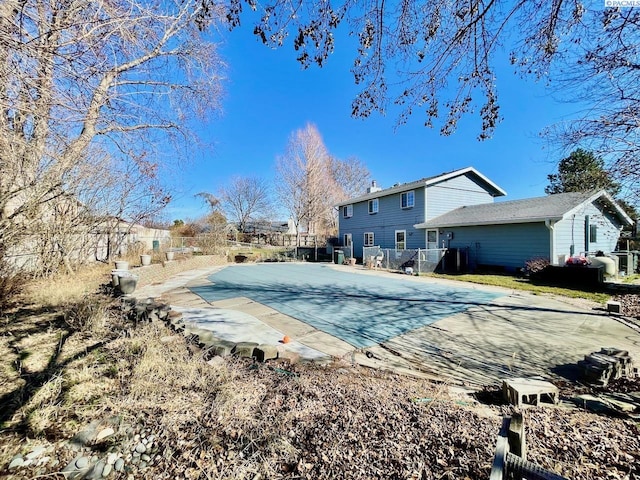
(387, 217)
(456, 210)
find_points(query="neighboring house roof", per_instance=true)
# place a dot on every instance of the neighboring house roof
(529, 210)
(491, 187)
(267, 227)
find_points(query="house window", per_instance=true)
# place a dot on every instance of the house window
(407, 199)
(368, 239)
(347, 211)
(373, 206)
(347, 240)
(593, 233)
(401, 243)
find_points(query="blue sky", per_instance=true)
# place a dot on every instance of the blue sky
(268, 96)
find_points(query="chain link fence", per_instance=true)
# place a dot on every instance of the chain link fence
(419, 260)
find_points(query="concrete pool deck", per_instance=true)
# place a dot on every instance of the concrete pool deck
(515, 334)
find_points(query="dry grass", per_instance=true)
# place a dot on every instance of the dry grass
(240, 420)
(66, 288)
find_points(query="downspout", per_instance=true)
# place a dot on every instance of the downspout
(587, 233)
(552, 254)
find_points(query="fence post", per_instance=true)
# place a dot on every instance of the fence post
(419, 262)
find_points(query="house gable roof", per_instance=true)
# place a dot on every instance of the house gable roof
(487, 184)
(529, 210)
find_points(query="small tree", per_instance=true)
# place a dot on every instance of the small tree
(245, 199)
(215, 228)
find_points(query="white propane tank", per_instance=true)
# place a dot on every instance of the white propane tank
(608, 263)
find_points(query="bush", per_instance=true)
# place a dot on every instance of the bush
(535, 266)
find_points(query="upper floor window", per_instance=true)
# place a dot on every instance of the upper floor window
(347, 211)
(368, 239)
(373, 206)
(407, 199)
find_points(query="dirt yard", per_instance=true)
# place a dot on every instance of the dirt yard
(80, 385)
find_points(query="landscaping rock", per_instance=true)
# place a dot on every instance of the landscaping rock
(84, 437)
(77, 468)
(206, 338)
(96, 471)
(140, 448)
(221, 348)
(36, 452)
(288, 356)
(16, 462)
(244, 349)
(107, 470)
(104, 433)
(265, 352)
(119, 465)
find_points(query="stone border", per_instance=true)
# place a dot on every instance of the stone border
(160, 272)
(148, 310)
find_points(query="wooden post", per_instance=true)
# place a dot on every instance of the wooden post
(498, 468)
(517, 440)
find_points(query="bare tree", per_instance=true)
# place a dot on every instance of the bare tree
(432, 58)
(603, 72)
(303, 179)
(245, 199)
(436, 59)
(309, 181)
(78, 77)
(350, 178)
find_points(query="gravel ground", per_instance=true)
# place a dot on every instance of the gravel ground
(630, 304)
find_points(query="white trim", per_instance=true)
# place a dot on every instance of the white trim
(344, 239)
(464, 171)
(395, 238)
(432, 224)
(596, 196)
(425, 183)
(413, 199)
(372, 242)
(374, 202)
(426, 237)
(346, 211)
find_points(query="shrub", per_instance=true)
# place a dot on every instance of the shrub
(537, 265)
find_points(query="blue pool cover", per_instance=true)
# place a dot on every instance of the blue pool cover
(363, 310)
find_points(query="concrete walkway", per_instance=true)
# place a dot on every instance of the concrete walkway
(516, 334)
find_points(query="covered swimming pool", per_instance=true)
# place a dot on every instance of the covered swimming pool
(363, 310)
